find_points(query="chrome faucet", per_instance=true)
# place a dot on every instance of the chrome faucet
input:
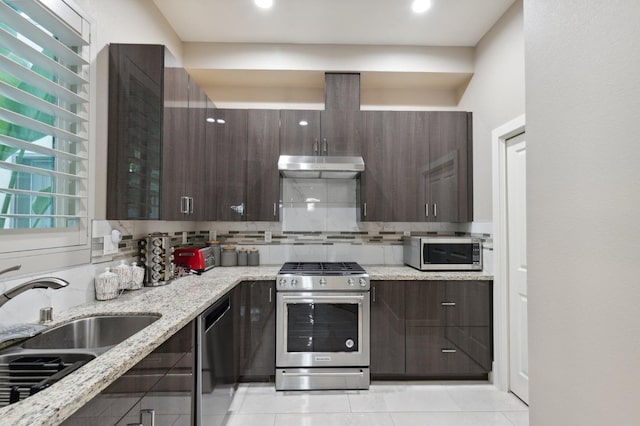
(46, 282)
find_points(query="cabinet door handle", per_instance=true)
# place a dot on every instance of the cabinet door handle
(190, 205)
(274, 209)
(270, 300)
(316, 146)
(325, 146)
(364, 207)
(373, 294)
(435, 210)
(449, 351)
(448, 303)
(184, 204)
(426, 210)
(152, 416)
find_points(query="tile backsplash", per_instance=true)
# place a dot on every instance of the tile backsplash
(318, 222)
(319, 205)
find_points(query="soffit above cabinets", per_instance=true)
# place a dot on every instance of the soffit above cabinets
(305, 89)
(375, 22)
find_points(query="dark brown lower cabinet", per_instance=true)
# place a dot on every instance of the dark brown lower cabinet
(255, 330)
(432, 352)
(387, 328)
(431, 329)
(160, 386)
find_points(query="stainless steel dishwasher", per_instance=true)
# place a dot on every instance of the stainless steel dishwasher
(216, 381)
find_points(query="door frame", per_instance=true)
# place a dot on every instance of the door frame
(499, 137)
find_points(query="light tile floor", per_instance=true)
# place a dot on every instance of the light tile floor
(423, 404)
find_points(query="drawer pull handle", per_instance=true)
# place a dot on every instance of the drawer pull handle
(449, 351)
(448, 303)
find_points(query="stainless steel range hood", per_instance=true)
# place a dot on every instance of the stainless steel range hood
(320, 167)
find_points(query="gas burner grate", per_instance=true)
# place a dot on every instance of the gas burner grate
(321, 268)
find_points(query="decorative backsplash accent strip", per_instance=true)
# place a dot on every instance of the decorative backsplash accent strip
(245, 234)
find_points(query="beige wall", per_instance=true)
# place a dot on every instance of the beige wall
(583, 172)
(119, 21)
(495, 94)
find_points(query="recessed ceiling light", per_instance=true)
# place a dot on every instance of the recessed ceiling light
(264, 4)
(420, 6)
(220, 121)
(211, 120)
(303, 123)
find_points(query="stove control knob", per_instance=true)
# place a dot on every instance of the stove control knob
(363, 282)
(323, 281)
(283, 282)
(294, 282)
(351, 282)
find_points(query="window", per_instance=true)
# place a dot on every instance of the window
(44, 125)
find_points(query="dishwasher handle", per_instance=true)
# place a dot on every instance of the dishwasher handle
(215, 314)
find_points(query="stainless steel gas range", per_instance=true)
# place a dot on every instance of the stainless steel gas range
(322, 326)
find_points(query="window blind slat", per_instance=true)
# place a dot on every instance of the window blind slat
(56, 195)
(39, 149)
(35, 33)
(44, 123)
(29, 123)
(26, 51)
(39, 171)
(26, 98)
(36, 80)
(51, 216)
(41, 14)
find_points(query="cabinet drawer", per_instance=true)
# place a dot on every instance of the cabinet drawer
(467, 303)
(447, 303)
(431, 352)
(476, 342)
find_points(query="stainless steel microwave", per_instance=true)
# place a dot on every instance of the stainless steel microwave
(443, 253)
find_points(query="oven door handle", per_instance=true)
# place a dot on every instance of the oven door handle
(320, 297)
(342, 374)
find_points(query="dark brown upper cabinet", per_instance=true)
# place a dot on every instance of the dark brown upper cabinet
(342, 91)
(263, 179)
(299, 132)
(335, 131)
(394, 150)
(230, 138)
(419, 169)
(185, 165)
(157, 162)
(448, 175)
(136, 95)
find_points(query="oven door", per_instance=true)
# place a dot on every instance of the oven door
(322, 329)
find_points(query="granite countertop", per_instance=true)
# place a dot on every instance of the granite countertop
(178, 303)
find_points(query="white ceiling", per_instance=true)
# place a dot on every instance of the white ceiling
(378, 22)
(450, 23)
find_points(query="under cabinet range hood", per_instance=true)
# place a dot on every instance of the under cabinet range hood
(320, 167)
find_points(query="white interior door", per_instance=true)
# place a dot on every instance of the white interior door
(517, 266)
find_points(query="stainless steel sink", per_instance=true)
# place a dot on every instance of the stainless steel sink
(25, 373)
(90, 333)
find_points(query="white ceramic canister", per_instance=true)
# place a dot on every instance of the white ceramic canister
(107, 284)
(137, 277)
(124, 273)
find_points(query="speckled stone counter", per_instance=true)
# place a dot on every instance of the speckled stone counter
(406, 273)
(177, 303)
